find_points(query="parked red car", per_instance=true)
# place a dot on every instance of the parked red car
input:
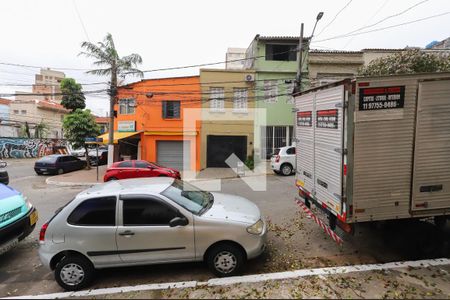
(138, 168)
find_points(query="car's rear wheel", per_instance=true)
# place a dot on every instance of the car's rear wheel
(112, 178)
(225, 260)
(286, 169)
(74, 272)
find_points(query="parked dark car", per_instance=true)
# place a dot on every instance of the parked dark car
(102, 158)
(4, 177)
(58, 164)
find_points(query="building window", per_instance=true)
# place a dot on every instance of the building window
(171, 109)
(273, 137)
(270, 91)
(23, 111)
(289, 90)
(240, 100)
(217, 99)
(281, 52)
(127, 106)
(16, 111)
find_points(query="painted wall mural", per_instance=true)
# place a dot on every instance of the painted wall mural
(28, 148)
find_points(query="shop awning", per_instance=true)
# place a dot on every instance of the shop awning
(118, 136)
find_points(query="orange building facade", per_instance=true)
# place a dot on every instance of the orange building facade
(154, 122)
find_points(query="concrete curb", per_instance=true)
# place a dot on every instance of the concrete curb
(50, 180)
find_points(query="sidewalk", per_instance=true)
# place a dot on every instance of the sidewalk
(79, 178)
(89, 177)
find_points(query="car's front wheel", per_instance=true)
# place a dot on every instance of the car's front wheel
(111, 178)
(74, 273)
(225, 260)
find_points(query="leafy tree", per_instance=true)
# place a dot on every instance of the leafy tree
(79, 125)
(73, 96)
(25, 130)
(407, 62)
(41, 130)
(107, 57)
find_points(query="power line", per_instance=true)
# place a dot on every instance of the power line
(81, 20)
(335, 17)
(389, 17)
(371, 18)
(13, 84)
(383, 28)
(51, 94)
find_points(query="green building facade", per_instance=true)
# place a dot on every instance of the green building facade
(274, 60)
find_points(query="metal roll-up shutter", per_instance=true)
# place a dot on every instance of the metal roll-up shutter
(170, 154)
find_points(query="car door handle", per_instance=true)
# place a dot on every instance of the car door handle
(126, 233)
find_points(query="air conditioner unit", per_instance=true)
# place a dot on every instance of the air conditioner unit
(249, 77)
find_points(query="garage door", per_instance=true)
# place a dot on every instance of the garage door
(170, 154)
(221, 147)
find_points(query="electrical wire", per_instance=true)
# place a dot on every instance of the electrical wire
(335, 17)
(388, 17)
(383, 28)
(371, 18)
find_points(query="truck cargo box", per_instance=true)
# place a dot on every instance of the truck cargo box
(376, 148)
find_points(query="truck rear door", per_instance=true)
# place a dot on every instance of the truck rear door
(431, 177)
(305, 141)
(328, 147)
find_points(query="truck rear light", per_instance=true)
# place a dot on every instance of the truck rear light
(363, 84)
(345, 170)
(301, 193)
(277, 158)
(42, 232)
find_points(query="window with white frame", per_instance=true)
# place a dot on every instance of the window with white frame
(217, 99)
(289, 90)
(270, 91)
(127, 106)
(240, 100)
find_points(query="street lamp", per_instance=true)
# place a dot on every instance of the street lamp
(319, 16)
(300, 55)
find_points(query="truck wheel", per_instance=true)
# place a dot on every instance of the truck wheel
(286, 169)
(74, 273)
(440, 221)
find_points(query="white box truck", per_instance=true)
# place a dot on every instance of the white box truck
(375, 148)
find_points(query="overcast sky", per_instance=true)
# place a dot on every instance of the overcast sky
(170, 33)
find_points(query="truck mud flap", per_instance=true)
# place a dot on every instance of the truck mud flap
(319, 222)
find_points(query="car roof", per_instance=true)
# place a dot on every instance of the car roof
(152, 185)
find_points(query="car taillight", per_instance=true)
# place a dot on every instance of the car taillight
(42, 232)
(277, 158)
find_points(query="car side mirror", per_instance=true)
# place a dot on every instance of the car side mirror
(178, 221)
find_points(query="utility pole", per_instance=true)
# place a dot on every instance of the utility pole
(298, 81)
(112, 101)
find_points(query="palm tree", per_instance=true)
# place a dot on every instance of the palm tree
(106, 56)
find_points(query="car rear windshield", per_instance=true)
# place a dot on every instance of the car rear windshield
(188, 196)
(276, 152)
(48, 159)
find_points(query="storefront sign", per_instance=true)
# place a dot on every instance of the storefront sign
(304, 118)
(327, 118)
(382, 98)
(126, 126)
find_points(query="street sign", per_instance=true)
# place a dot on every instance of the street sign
(93, 140)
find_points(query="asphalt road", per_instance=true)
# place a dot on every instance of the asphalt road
(295, 241)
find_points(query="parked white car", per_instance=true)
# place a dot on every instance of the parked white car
(283, 160)
(78, 152)
(148, 221)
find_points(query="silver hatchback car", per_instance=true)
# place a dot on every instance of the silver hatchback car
(149, 221)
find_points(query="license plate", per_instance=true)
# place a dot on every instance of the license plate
(33, 218)
(8, 246)
(43, 170)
